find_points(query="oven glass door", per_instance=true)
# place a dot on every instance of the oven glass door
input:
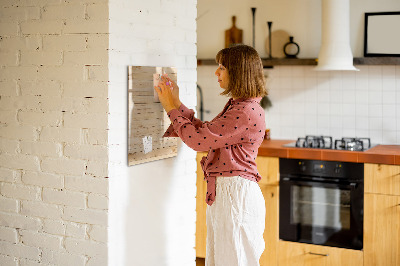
(322, 213)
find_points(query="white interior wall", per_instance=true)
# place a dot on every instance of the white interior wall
(53, 133)
(301, 19)
(337, 103)
(152, 205)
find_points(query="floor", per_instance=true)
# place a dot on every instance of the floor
(200, 262)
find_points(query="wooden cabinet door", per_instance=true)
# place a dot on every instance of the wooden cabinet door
(268, 168)
(382, 179)
(201, 205)
(299, 254)
(271, 232)
(381, 230)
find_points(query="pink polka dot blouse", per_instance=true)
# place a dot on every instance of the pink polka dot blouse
(232, 139)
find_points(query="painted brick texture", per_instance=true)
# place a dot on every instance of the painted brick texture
(63, 79)
(53, 136)
(152, 206)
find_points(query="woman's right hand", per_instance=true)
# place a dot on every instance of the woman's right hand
(175, 90)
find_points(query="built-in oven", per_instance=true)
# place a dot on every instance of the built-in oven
(321, 202)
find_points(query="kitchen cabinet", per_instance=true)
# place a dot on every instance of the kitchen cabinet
(271, 232)
(300, 254)
(201, 205)
(382, 179)
(382, 215)
(268, 168)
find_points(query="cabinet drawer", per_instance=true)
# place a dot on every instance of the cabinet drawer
(299, 254)
(382, 179)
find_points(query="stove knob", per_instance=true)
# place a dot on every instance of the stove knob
(338, 169)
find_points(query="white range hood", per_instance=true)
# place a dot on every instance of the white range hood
(335, 52)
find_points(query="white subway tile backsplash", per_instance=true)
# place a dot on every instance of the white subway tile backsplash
(336, 96)
(298, 72)
(389, 124)
(362, 97)
(367, 102)
(323, 109)
(310, 95)
(363, 133)
(323, 82)
(285, 71)
(375, 84)
(375, 123)
(336, 82)
(375, 110)
(325, 131)
(348, 132)
(349, 96)
(298, 120)
(323, 95)
(310, 109)
(389, 110)
(323, 121)
(336, 108)
(362, 123)
(388, 72)
(310, 81)
(375, 97)
(376, 136)
(362, 78)
(389, 136)
(336, 122)
(298, 83)
(349, 122)
(362, 110)
(348, 109)
(389, 97)
(389, 84)
(285, 83)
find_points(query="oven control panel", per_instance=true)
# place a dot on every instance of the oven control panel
(317, 168)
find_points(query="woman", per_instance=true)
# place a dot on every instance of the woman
(236, 211)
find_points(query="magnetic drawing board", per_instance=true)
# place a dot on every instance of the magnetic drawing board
(146, 118)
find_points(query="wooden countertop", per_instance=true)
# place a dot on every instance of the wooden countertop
(380, 154)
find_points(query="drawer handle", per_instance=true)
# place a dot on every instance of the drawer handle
(318, 254)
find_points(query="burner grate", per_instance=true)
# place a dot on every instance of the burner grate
(322, 142)
(326, 142)
(353, 144)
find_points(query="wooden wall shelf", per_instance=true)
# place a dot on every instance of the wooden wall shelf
(377, 61)
(268, 63)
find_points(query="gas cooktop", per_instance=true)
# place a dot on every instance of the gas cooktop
(326, 142)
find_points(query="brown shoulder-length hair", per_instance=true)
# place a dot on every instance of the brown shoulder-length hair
(245, 69)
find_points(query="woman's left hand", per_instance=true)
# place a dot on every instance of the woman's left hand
(165, 96)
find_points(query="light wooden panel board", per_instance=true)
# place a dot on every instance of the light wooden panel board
(147, 119)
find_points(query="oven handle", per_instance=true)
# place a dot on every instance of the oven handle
(310, 182)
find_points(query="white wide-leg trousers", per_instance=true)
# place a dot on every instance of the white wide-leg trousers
(235, 223)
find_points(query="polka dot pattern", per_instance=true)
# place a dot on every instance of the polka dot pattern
(232, 139)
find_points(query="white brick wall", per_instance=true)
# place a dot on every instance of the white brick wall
(63, 132)
(53, 137)
(151, 207)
